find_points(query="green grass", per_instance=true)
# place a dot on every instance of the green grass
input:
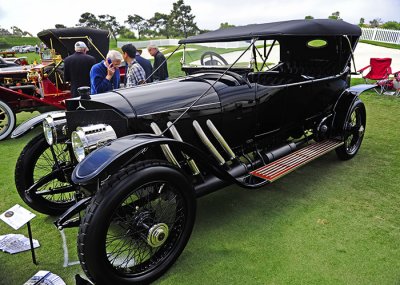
(329, 222)
(387, 45)
(10, 41)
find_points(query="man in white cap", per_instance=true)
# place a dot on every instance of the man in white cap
(77, 68)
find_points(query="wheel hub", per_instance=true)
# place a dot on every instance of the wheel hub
(157, 235)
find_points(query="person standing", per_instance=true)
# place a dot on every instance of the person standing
(160, 65)
(135, 73)
(146, 64)
(104, 76)
(77, 68)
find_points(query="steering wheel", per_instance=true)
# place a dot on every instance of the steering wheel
(212, 58)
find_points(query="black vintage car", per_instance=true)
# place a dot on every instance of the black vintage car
(132, 162)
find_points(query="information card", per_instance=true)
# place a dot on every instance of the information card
(17, 216)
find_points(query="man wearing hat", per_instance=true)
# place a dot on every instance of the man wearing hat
(77, 68)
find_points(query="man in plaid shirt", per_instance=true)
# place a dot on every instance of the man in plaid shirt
(135, 73)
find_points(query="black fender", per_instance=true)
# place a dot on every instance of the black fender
(117, 152)
(343, 105)
(30, 124)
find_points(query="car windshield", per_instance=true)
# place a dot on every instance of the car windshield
(224, 54)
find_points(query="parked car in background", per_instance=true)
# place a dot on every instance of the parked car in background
(27, 48)
(42, 87)
(127, 166)
(21, 60)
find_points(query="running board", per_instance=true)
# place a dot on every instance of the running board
(294, 160)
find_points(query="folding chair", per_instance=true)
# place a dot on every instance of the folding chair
(396, 82)
(379, 73)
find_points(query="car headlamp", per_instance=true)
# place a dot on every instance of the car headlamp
(88, 138)
(54, 128)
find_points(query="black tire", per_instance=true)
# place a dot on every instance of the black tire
(36, 162)
(353, 131)
(113, 240)
(7, 120)
(215, 59)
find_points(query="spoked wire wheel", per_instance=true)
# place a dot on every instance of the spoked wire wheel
(354, 129)
(137, 225)
(46, 173)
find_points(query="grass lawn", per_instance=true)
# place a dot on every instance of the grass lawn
(330, 222)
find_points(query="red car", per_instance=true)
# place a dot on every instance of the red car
(42, 87)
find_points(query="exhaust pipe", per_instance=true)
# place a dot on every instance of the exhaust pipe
(221, 140)
(208, 143)
(165, 148)
(190, 161)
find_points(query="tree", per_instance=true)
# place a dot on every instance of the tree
(89, 20)
(181, 21)
(60, 26)
(4, 32)
(375, 22)
(225, 25)
(110, 23)
(159, 24)
(335, 16)
(308, 17)
(361, 23)
(125, 33)
(16, 31)
(391, 25)
(136, 22)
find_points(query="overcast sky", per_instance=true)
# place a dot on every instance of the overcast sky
(36, 15)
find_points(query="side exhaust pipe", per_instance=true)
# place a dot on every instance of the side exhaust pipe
(165, 148)
(221, 140)
(208, 143)
(190, 161)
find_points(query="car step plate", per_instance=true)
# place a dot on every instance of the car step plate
(294, 160)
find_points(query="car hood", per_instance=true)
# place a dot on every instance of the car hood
(164, 96)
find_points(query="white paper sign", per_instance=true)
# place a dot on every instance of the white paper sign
(17, 216)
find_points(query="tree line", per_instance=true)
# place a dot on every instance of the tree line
(178, 23)
(374, 23)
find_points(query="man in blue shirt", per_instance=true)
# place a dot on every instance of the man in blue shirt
(104, 76)
(146, 64)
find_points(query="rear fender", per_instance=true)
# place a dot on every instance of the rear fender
(118, 152)
(30, 124)
(343, 105)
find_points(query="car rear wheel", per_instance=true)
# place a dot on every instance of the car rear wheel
(137, 225)
(7, 120)
(52, 191)
(353, 131)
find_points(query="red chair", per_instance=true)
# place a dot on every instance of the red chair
(379, 73)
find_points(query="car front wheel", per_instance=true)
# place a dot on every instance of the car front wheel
(137, 224)
(46, 173)
(353, 131)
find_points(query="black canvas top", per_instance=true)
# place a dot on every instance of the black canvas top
(63, 40)
(320, 27)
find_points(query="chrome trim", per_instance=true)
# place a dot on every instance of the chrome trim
(179, 109)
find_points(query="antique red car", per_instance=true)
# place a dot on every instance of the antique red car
(42, 87)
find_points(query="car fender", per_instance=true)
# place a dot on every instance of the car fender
(343, 105)
(118, 152)
(30, 124)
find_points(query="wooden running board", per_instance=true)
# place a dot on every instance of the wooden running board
(294, 160)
